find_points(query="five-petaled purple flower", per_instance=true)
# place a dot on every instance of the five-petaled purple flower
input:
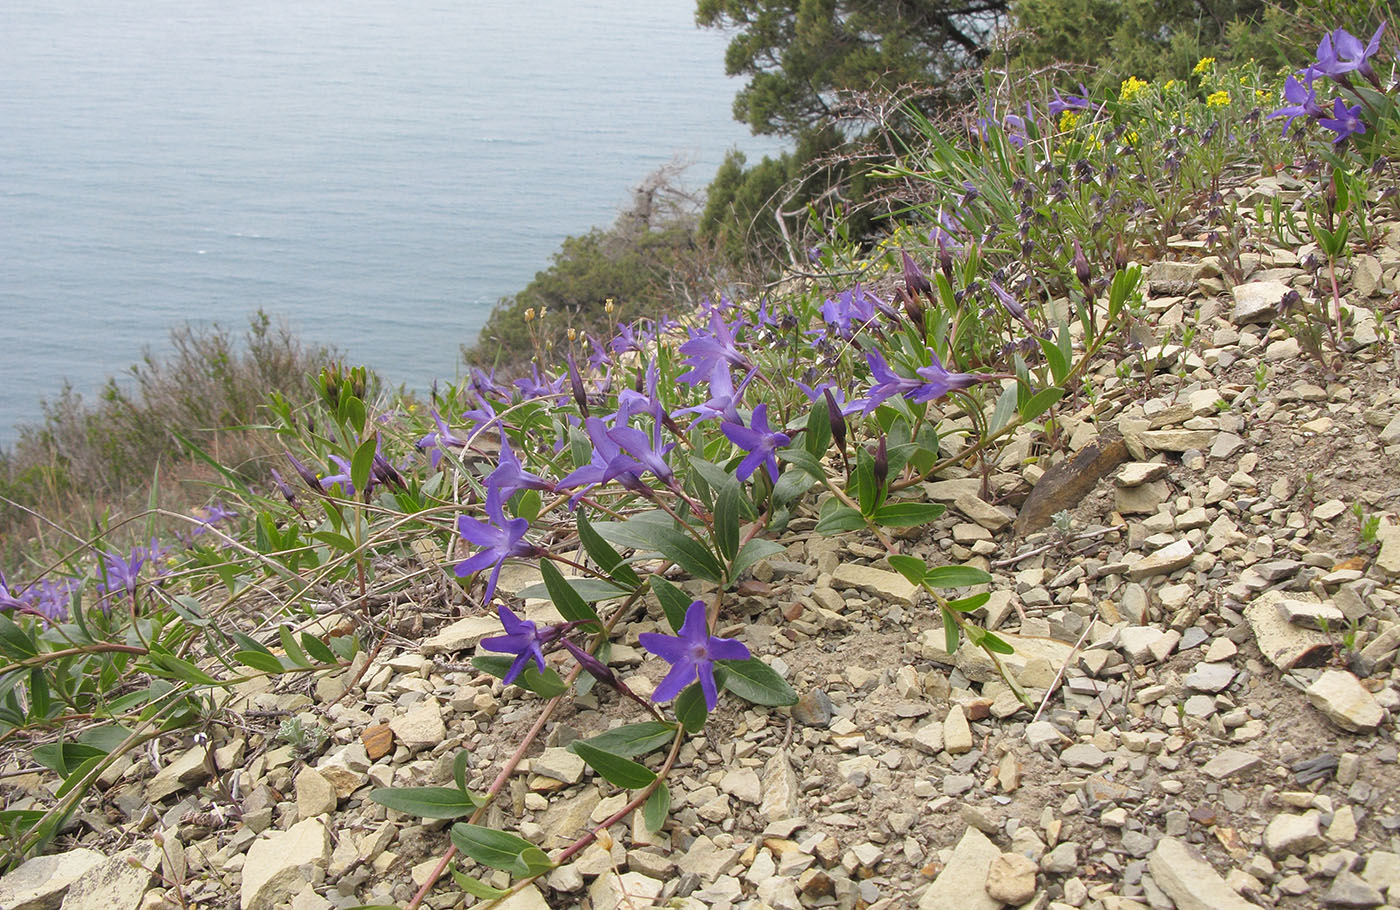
(761, 442)
(499, 540)
(1341, 52)
(887, 383)
(1345, 121)
(692, 655)
(522, 639)
(508, 478)
(441, 438)
(941, 381)
(1302, 98)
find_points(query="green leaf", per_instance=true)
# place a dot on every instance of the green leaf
(59, 757)
(908, 514)
(674, 601)
(1005, 409)
(955, 577)
(362, 462)
(619, 771)
(1040, 403)
(339, 541)
(796, 455)
(317, 649)
(475, 886)
(690, 709)
(632, 740)
(912, 568)
(968, 604)
(727, 522)
(528, 506)
(494, 664)
(1059, 366)
(592, 590)
(181, 669)
(865, 482)
(791, 485)
(77, 775)
(818, 437)
(14, 641)
(546, 685)
(688, 553)
(604, 555)
(459, 770)
(750, 553)
(756, 682)
(426, 802)
(657, 807)
(258, 660)
(950, 632)
(637, 532)
(566, 600)
(289, 644)
(994, 643)
(498, 849)
(839, 519)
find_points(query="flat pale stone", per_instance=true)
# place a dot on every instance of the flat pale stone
(188, 768)
(1289, 834)
(1190, 881)
(115, 884)
(462, 635)
(888, 585)
(421, 727)
(1283, 644)
(1209, 677)
(1257, 301)
(1312, 615)
(957, 735)
(1011, 878)
(528, 899)
(1178, 440)
(982, 512)
(743, 783)
(1136, 473)
(1168, 559)
(609, 890)
(962, 885)
(1388, 560)
(977, 666)
(779, 789)
(315, 795)
(272, 871)
(1345, 701)
(558, 764)
(1229, 762)
(41, 882)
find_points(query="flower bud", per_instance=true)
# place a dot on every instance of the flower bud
(595, 667)
(576, 384)
(838, 421)
(609, 306)
(882, 464)
(529, 314)
(914, 279)
(1081, 267)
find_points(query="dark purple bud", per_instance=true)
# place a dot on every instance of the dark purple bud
(838, 421)
(595, 667)
(914, 279)
(1081, 266)
(914, 307)
(282, 487)
(307, 475)
(882, 464)
(1120, 254)
(576, 383)
(384, 472)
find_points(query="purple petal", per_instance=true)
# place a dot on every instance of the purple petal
(667, 647)
(681, 675)
(706, 672)
(728, 649)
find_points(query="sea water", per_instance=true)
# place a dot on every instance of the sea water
(379, 172)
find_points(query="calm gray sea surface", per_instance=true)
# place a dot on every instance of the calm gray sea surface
(378, 171)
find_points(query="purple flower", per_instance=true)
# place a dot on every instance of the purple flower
(647, 454)
(759, 441)
(50, 599)
(1303, 102)
(499, 540)
(1062, 103)
(605, 453)
(306, 474)
(508, 478)
(1011, 304)
(941, 381)
(705, 349)
(692, 655)
(283, 487)
(1341, 52)
(120, 573)
(814, 392)
(1345, 121)
(8, 601)
(625, 340)
(887, 383)
(522, 639)
(853, 305)
(724, 398)
(436, 441)
(343, 478)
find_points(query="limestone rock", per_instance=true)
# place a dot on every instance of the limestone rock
(1011, 878)
(779, 789)
(1283, 644)
(40, 883)
(1257, 301)
(272, 870)
(962, 885)
(1289, 834)
(1189, 880)
(957, 735)
(890, 586)
(315, 795)
(115, 884)
(1345, 701)
(462, 635)
(190, 767)
(1168, 559)
(421, 727)
(1388, 561)
(609, 891)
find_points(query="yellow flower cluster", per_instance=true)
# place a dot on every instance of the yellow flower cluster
(1069, 120)
(1203, 66)
(1218, 99)
(1131, 137)
(1130, 89)
(1171, 84)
